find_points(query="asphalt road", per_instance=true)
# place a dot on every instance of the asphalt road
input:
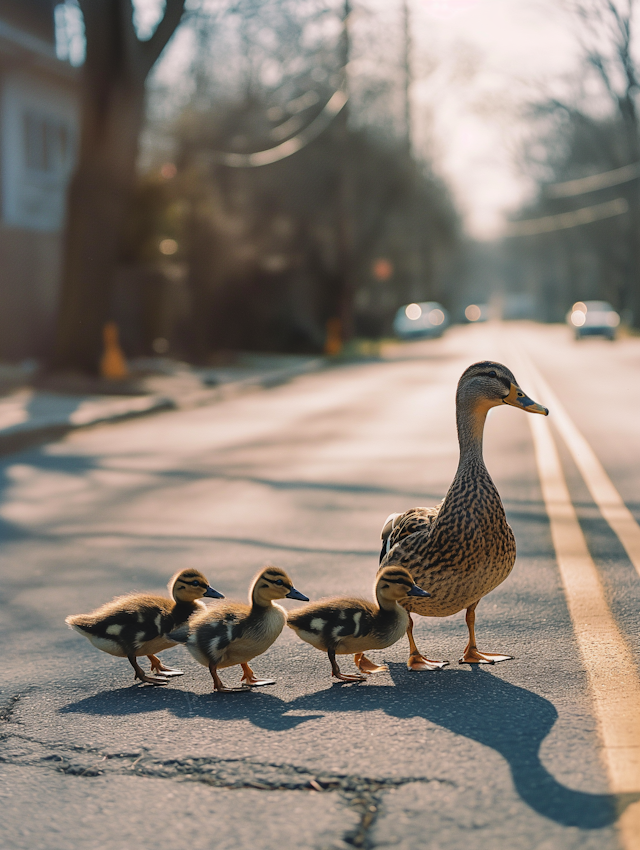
(303, 475)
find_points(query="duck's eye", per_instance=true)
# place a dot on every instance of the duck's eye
(279, 582)
(195, 584)
(492, 374)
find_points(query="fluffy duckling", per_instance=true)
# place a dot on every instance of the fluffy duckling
(234, 633)
(343, 625)
(138, 623)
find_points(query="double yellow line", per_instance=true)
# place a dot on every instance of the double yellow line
(613, 676)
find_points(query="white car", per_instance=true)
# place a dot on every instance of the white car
(593, 318)
(420, 320)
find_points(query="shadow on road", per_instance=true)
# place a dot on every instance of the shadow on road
(474, 704)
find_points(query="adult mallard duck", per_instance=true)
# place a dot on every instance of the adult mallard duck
(464, 548)
(137, 624)
(234, 633)
(343, 625)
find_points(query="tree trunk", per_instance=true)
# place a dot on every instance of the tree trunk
(98, 202)
(112, 113)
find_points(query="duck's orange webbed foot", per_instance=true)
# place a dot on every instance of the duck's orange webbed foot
(159, 669)
(366, 666)
(223, 689)
(419, 662)
(145, 677)
(347, 677)
(473, 656)
(335, 670)
(249, 678)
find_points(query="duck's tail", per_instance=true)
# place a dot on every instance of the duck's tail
(385, 534)
(82, 623)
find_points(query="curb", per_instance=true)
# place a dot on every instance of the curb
(25, 435)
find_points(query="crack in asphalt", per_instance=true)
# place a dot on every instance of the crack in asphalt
(6, 710)
(363, 795)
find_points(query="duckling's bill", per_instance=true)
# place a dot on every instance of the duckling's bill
(295, 594)
(517, 398)
(212, 593)
(418, 591)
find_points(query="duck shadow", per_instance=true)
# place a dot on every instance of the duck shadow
(259, 707)
(474, 704)
(477, 705)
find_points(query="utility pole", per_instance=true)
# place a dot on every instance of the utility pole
(414, 265)
(340, 327)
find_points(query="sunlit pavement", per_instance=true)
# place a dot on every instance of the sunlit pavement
(304, 475)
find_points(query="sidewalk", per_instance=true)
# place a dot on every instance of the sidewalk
(33, 412)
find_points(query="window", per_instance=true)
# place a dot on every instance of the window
(46, 143)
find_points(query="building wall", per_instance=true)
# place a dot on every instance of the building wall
(38, 141)
(29, 282)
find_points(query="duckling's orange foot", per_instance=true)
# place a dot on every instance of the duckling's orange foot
(250, 680)
(347, 677)
(159, 669)
(257, 683)
(152, 680)
(474, 656)
(365, 666)
(419, 662)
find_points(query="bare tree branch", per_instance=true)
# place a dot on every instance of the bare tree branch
(152, 48)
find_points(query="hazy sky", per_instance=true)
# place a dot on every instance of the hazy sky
(473, 62)
(490, 53)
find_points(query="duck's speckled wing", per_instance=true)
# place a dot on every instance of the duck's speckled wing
(332, 621)
(128, 622)
(214, 634)
(399, 526)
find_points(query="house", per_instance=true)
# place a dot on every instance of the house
(38, 139)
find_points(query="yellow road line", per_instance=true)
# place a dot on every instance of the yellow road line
(613, 678)
(602, 490)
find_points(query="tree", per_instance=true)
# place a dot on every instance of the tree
(112, 113)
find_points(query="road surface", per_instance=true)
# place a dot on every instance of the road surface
(537, 752)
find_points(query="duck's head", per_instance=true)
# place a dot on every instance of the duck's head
(488, 384)
(273, 583)
(394, 583)
(189, 585)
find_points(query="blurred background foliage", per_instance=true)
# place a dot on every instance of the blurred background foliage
(255, 257)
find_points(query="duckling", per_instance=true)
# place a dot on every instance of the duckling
(343, 625)
(234, 633)
(138, 623)
(463, 548)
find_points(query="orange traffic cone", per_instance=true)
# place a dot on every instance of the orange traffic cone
(333, 339)
(113, 365)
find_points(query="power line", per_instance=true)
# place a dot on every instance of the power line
(596, 181)
(253, 160)
(586, 215)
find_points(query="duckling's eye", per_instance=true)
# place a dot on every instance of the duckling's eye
(492, 374)
(279, 582)
(195, 584)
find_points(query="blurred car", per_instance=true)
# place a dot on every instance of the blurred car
(477, 313)
(593, 318)
(423, 320)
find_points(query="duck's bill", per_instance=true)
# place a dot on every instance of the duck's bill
(517, 398)
(295, 594)
(212, 593)
(418, 591)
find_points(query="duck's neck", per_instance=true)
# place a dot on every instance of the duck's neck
(387, 606)
(258, 605)
(470, 418)
(183, 610)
